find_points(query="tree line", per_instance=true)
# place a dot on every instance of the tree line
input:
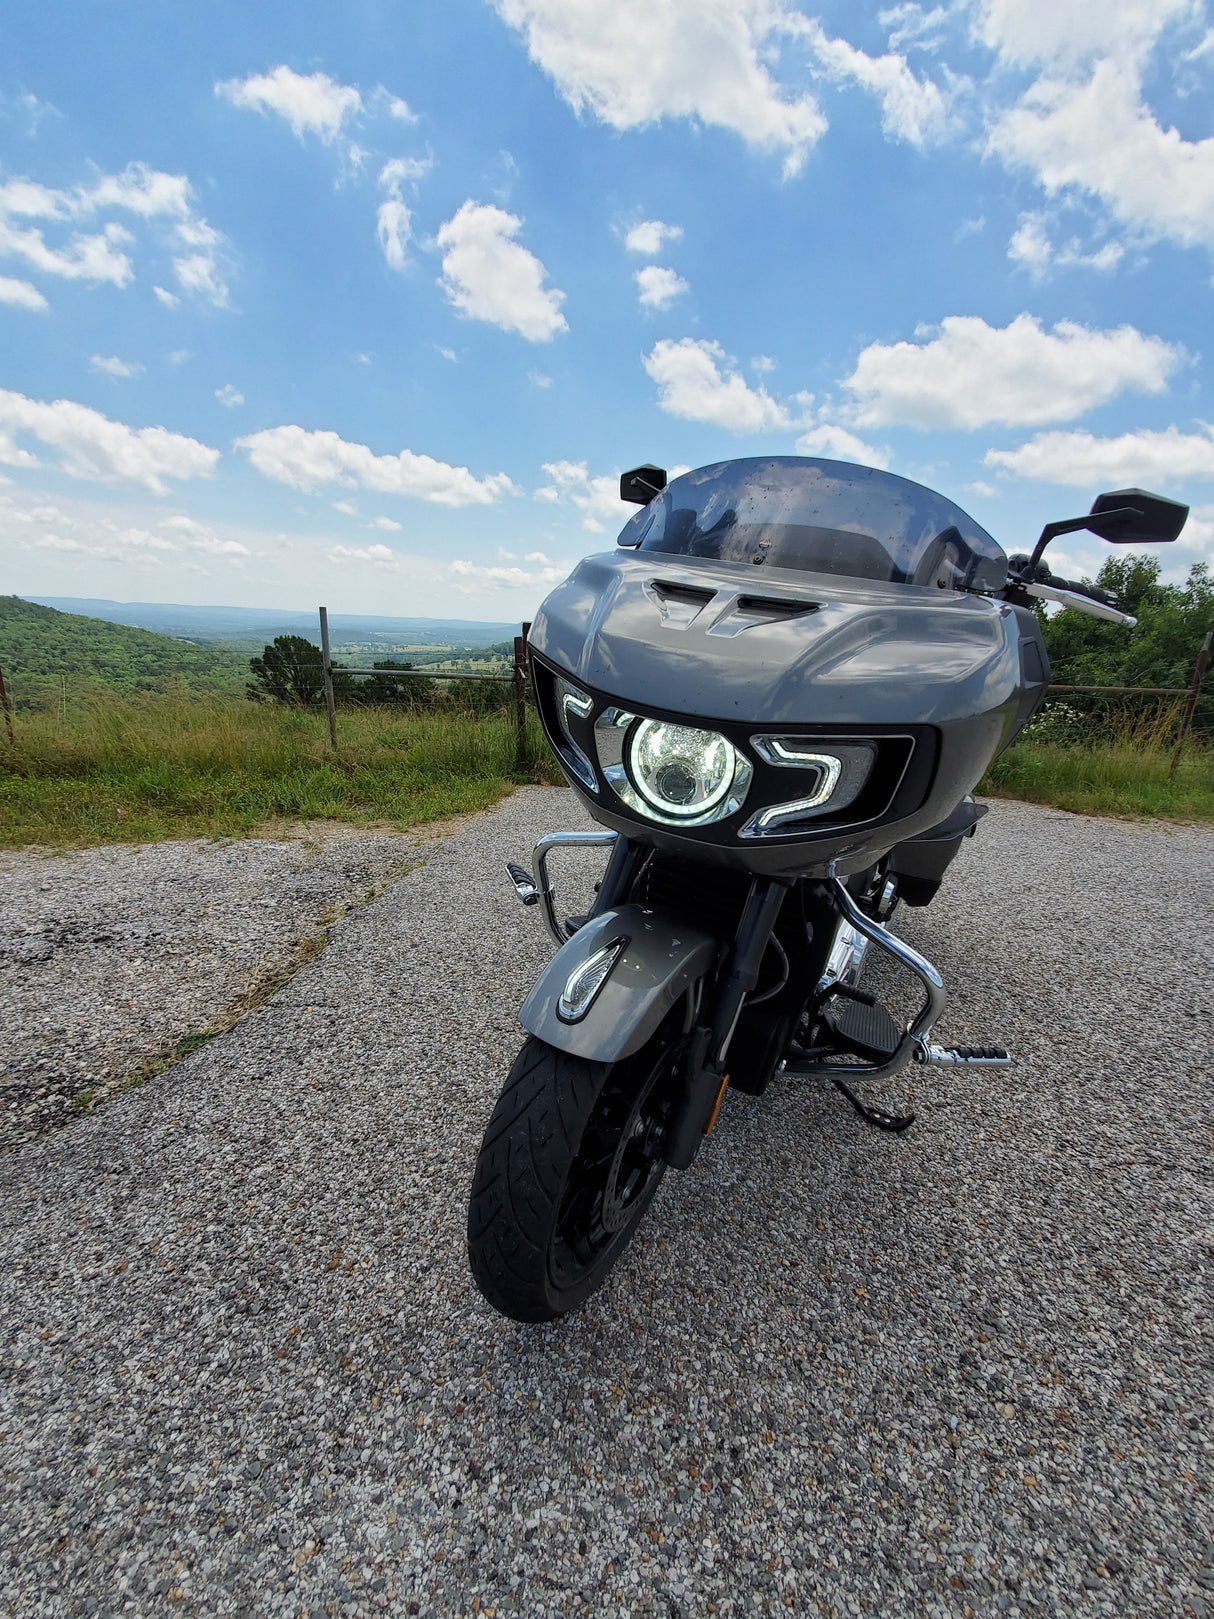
(291, 670)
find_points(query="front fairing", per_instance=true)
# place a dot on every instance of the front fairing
(697, 641)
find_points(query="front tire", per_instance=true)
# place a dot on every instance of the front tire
(570, 1162)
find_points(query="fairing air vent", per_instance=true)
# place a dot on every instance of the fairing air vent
(679, 605)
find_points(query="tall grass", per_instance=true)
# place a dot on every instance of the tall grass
(1125, 769)
(172, 765)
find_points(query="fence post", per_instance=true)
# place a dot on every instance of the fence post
(324, 652)
(520, 693)
(1203, 663)
(8, 713)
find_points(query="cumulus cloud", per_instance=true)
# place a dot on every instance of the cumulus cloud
(111, 366)
(912, 109)
(468, 577)
(649, 236)
(1068, 33)
(1146, 459)
(489, 276)
(658, 287)
(1032, 248)
(380, 555)
(835, 443)
(698, 381)
(229, 396)
(20, 294)
(971, 374)
(1098, 137)
(312, 103)
(394, 222)
(101, 256)
(312, 460)
(389, 524)
(170, 300)
(596, 497)
(709, 61)
(94, 446)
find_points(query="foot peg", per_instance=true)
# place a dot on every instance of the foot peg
(962, 1056)
(523, 885)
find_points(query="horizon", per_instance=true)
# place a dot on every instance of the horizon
(331, 308)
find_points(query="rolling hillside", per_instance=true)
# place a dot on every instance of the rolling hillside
(41, 650)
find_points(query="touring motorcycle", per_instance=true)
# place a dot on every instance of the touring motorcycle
(775, 699)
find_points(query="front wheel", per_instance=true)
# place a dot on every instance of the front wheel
(570, 1162)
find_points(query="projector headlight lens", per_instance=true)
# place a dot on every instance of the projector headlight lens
(673, 773)
(678, 770)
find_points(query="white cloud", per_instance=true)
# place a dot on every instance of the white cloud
(397, 108)
(835, 443)
(698, 381)
(488, 276)
(649, 236)
(538, 379)
(394, 227)
(170, 300)
(909, 24)
(20, 294)
(912, 110)
(311, 103)
(149, 194)
(1099, 137)
(706, 60)
(93, 446)
(972, 374)
(1071, 32)
(380, 555)
(310, 460)
(347, 506)
(111, 366)
(85, 258)
(394, 222)
(658, 287)
(472, 576)
(1144, 458)
(595, 497)
(202, 538)
(229, 396)
(387, 523)
(179, 357)
(1032, 249)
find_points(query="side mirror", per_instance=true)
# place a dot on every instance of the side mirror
(642, 484)
(1126, 517)
(1137, 518)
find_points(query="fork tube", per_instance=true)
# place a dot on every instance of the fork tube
(706, 1077)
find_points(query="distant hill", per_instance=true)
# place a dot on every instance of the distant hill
(253, 627)
(40, 648)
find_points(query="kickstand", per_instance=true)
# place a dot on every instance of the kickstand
(897, 1122)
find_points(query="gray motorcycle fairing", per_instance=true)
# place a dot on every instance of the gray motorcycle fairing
(764, 647)
(661, 961)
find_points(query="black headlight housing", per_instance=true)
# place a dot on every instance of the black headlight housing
(792, 783)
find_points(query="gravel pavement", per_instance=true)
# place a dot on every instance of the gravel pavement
(109, 957)
(963, 1371)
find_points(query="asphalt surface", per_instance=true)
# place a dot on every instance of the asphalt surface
(965, 1370)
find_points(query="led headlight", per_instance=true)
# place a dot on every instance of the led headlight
(673, 773)
(573, 704)
(834, 774)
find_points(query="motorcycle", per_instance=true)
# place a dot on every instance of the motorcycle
(775, 699)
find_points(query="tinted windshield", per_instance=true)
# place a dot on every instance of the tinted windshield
(823, 516)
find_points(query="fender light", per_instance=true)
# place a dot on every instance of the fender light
(584, 982)
(574, 704)
(837, 773)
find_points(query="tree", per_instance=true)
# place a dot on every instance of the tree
(1159, 651)
(291, 670)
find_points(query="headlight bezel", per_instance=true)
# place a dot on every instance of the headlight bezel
(902, 758)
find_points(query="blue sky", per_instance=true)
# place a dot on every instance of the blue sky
(370, 304)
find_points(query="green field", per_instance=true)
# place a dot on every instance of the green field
(141, 769)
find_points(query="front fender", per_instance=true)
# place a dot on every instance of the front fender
(661, 960)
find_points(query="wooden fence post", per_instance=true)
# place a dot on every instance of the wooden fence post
(8, 713)
(520, 694)
(1203, 663)
(324, 652)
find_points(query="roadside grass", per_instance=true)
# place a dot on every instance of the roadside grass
(1118, 764)
(171, 766)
